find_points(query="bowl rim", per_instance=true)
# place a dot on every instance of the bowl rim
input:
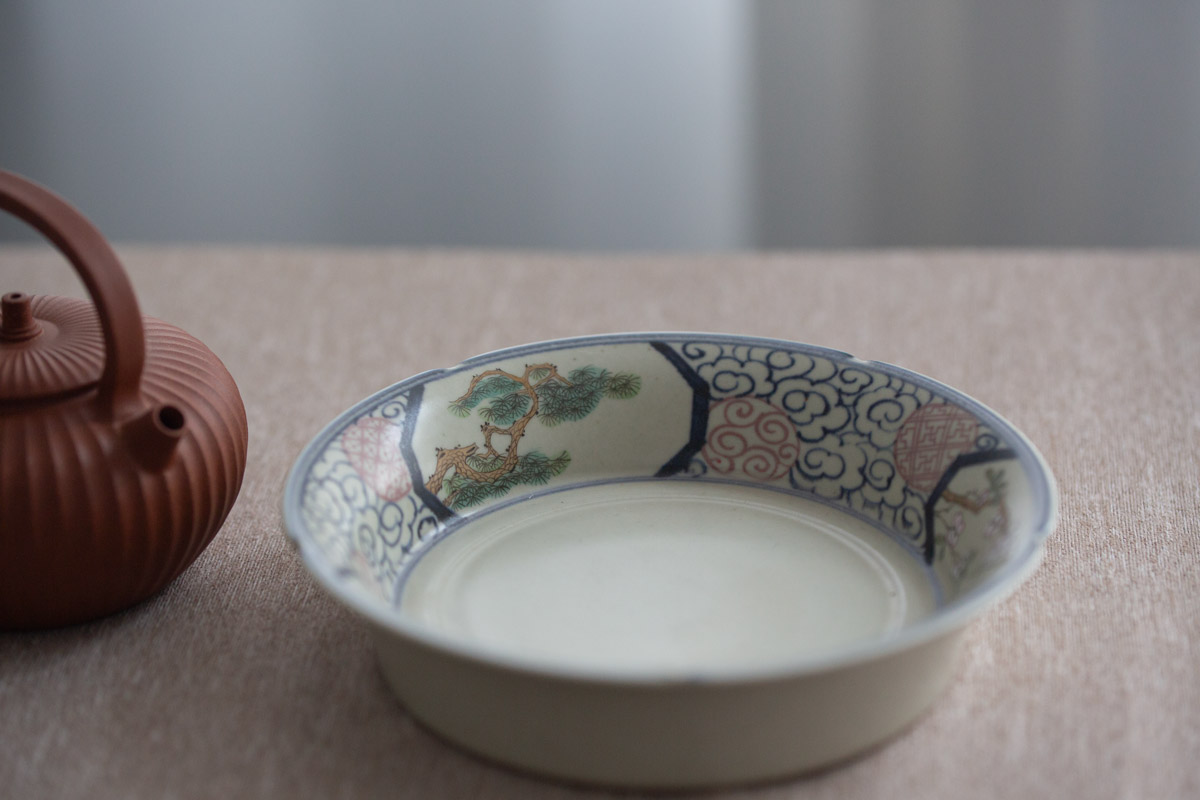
(944, 620)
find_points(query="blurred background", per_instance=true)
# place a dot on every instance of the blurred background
(698, 125)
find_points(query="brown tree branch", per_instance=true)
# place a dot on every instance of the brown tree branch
(455, 458)
(973, 506)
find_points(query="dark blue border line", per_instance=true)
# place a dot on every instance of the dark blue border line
(701, 400)
(960, 463)
(412, 407)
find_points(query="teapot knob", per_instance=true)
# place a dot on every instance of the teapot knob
(18, 323)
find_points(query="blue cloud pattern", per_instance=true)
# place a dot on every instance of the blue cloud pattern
(337, 500)
(846, 421)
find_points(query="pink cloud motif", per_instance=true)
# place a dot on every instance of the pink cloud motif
(750, 437)
(373, 447)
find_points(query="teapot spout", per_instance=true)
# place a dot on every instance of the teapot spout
(153, 435)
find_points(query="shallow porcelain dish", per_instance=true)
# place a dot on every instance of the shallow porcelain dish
(669, 560)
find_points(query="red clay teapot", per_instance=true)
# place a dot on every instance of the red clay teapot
(122, 438)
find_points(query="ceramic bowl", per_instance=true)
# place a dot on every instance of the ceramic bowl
(669, 560)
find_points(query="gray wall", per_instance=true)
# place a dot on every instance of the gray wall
(689, 124)
(995, 123)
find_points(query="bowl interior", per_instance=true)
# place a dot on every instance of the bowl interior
(720, 445)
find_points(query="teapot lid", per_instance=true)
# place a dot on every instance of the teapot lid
(50, 347)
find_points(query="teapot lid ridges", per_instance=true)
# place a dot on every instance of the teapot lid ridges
(50, 347)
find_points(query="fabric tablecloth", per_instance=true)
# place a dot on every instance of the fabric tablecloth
(244, 679)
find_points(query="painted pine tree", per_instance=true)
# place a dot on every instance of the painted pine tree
(508, 403)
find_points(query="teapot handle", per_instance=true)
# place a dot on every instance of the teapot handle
(97, 265)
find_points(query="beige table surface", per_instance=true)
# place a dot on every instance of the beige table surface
(244, 679)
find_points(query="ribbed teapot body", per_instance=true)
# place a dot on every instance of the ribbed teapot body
(88, 524)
